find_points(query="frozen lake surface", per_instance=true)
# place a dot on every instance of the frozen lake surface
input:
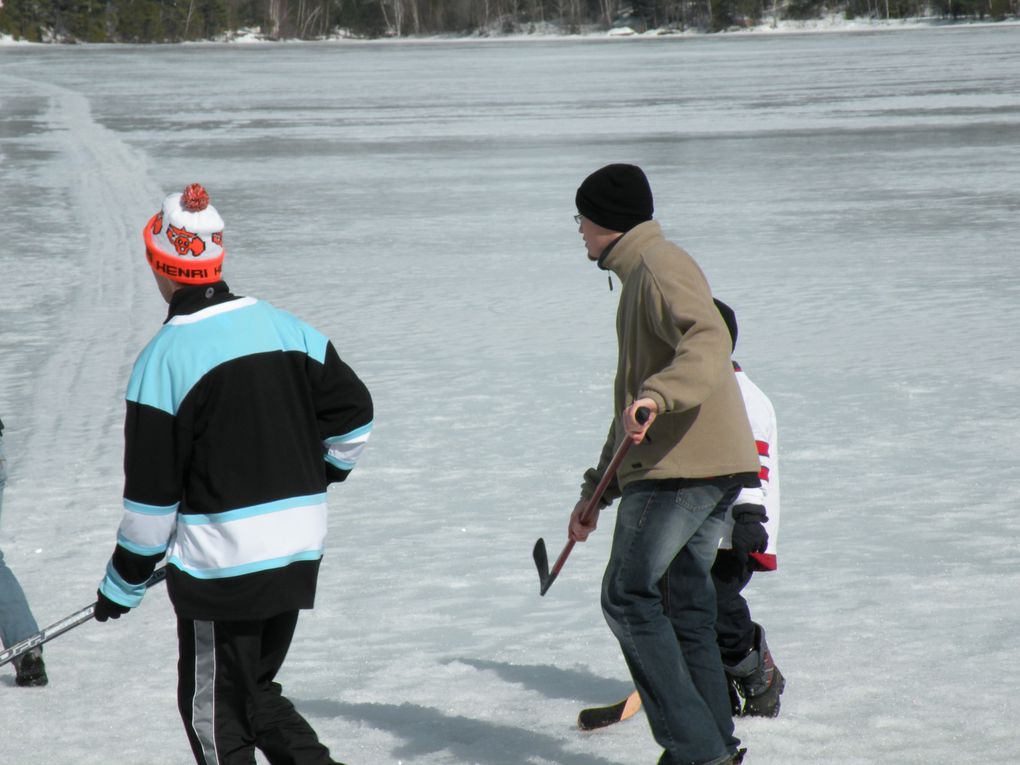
(854, 197)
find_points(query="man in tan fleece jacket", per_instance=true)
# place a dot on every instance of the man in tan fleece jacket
(686, 465)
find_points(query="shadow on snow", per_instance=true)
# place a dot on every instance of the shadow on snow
(554, 682)
(427, 731)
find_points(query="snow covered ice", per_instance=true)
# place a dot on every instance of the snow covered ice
(854, 197)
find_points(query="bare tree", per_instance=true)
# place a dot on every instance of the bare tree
(394, 20)
(308, 16)
(187, 20)
(276, 17)
(609, 9)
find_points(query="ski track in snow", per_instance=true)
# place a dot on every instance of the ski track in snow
(62, 446)
(98, 327)
(97, 321)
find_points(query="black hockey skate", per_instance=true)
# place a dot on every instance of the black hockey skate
(31, 671)
(758, 679)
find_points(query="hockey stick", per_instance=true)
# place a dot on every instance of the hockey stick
(599, 717)
(547, 577)
(67, 623)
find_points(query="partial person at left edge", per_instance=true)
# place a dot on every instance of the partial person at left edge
(239, 416)
(16, 620)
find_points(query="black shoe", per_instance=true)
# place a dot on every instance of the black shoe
(758, 679)
(766, 704)
(31, 670)
(727, 759)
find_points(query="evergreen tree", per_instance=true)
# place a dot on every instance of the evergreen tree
(137, 21)
(26, 19)
(176, 20)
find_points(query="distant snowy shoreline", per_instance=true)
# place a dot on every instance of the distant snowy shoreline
(550, 32)
(853, 192)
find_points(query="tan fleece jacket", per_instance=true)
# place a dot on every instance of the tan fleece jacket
(674, 348)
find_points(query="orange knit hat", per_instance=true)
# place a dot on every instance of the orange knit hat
(184, 240)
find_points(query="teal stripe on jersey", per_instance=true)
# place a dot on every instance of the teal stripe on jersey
(138, 549)
(249, 512)
(340, 464)
(247, 568)
(142, 509)
(120, 591)
(363, 430)
(182, 353)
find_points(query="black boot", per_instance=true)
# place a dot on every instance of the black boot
(758, 679)
(31, 669)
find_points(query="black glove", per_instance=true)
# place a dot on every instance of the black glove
(749, 533)
(107, 609)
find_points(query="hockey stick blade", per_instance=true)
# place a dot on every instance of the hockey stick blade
(64, 625)
(547, 577)
(545, 580)
(601, 717)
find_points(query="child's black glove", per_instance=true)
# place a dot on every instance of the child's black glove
(749, 533)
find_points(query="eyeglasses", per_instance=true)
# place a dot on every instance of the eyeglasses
(577, 219)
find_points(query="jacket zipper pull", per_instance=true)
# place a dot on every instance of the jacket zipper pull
(610, 277)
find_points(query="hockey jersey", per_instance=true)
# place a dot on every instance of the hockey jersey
(239, 415)
(762, 416)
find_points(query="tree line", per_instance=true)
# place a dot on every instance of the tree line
(138, 21)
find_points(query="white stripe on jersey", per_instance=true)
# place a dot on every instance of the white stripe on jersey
(343, 451)
(146, 529)
(250, 539)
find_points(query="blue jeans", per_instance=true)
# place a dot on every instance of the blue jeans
(16, 620)
(672, 525)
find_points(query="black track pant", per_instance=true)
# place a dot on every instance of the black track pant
(734, 629)
(228, 700)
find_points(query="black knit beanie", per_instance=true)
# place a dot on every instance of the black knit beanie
(616, 197)
(730, 318)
